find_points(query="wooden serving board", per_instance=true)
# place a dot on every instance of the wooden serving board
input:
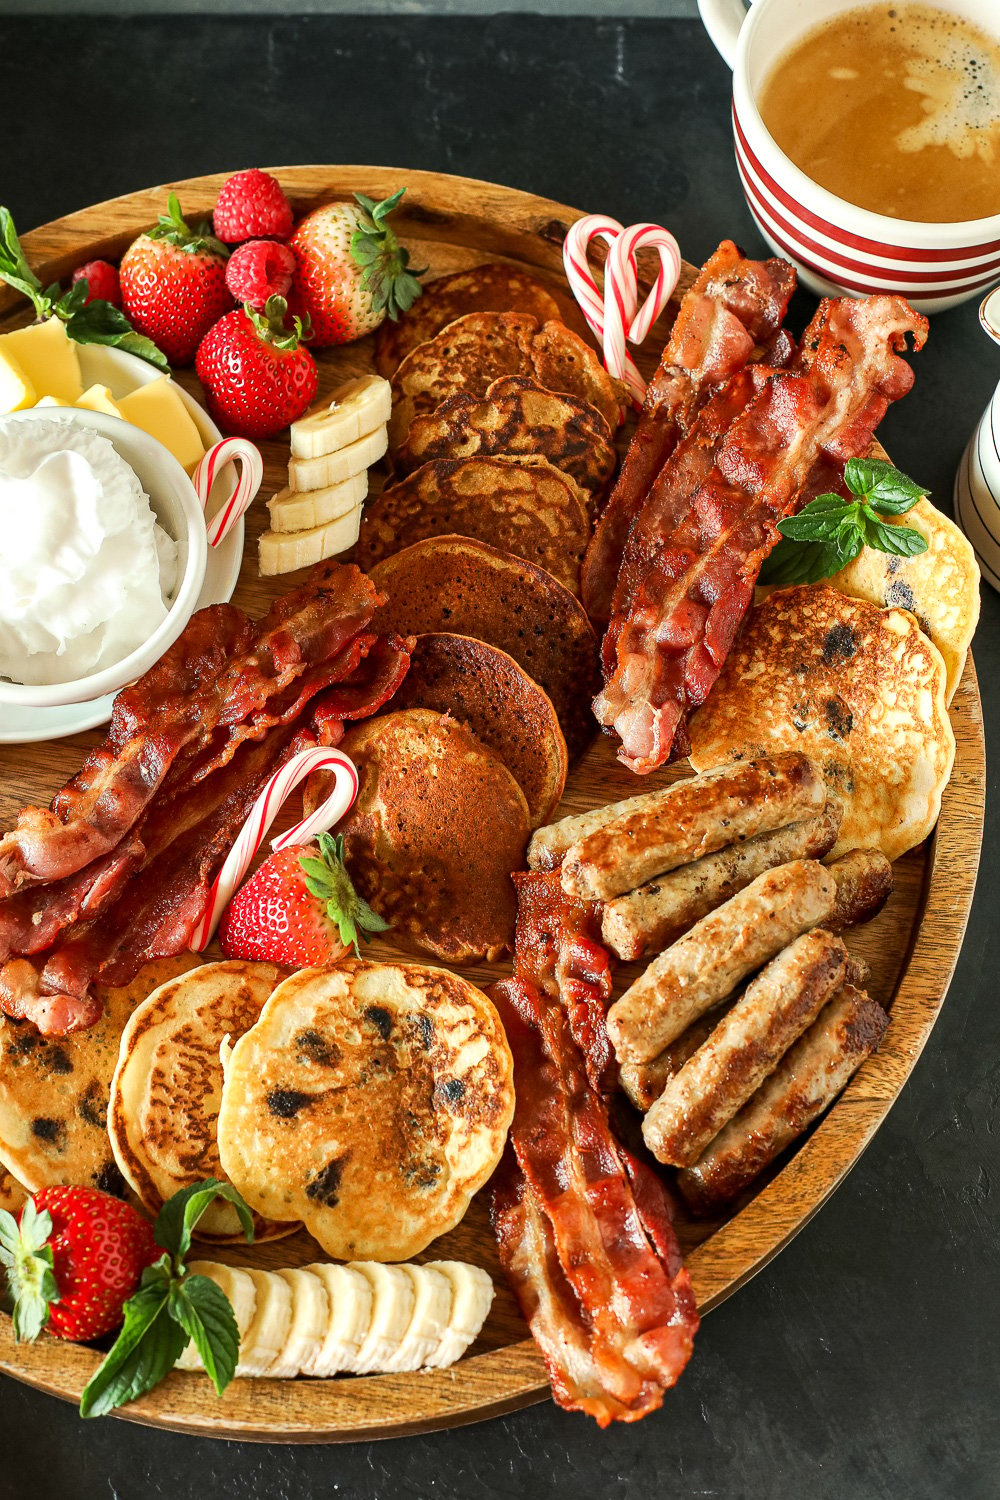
(451, 223)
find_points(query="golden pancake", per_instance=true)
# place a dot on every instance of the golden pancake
(437, 828)
(523, 506)
(371, 1101)
(940, 586)
(519, 417)
(860, 690)
(483, 687)
(54, 1090)
(460, 585)
(12, 1193)
(167, 1086)
(491, 288)
(479, 348)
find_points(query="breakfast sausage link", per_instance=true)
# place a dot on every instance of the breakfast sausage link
(649, 919)
(692, 818)
(743, 1049)
(808, 1078)
(864, 885)
(707, 963)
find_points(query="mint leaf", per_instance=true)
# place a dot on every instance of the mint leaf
(882, 486)
(203, 1310)
(792, 562)
(180, 1214)
(903, 541)
(820, 521)
(100, 323)
(147, 1348)
(14, 269)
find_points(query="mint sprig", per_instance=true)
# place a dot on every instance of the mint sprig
(830, 531)
(169, 1308)
(97, 323)
(386, 271)
(327, 879)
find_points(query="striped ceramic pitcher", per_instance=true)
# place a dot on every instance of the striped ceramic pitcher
(977, 483)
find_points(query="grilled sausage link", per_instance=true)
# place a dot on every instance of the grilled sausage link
(864, 885)
(654, 916)
(707, 963)
(808, 1078)
(744, 1048)
(690, 819)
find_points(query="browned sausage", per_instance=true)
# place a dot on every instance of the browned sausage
(808, 1078)
(657, 914)
(707, 963)
(743, 1049)
(864, 885)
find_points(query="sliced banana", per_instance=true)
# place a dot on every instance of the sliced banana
(356, 409)
(286, 551)
(350, 1298)
(265, 1339)
(393, 1301)
(239, 1287)
(290, 511)
(431, 1310)
(334, 468)
(310, 1320)
(471, 1300)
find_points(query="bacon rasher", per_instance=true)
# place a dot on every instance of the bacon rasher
(698, 585)
(731, 314)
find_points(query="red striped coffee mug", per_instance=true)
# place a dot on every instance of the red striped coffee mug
(837, 247)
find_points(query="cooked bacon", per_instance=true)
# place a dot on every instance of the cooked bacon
(699, 585)
(640, 1315)
(733, 310)
(31, 920)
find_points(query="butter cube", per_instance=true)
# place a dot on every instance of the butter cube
(16, 390)
(159, 410)
(99, 398)
(48, 357)
(53, 401)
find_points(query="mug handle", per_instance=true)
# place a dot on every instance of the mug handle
(722, 20)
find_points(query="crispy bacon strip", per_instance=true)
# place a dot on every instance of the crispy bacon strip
(698, 586)
(733, 310)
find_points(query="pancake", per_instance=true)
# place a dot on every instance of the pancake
(438, 826)
(371, 1101)
(473, 351)
(523, 506)
(860, 690)
(456, 584)
(12, 1194)
(167, 1086)
(54, 1090)
(483, 687)
(519, 417)
(494, 287)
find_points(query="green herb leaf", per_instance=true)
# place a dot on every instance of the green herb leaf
(807, 562)
(203, 1310)
(147, 1348)
(903, 541)
(100, 323)
(825, 523)
(14, 269)
(179, 1215)
(882, 486)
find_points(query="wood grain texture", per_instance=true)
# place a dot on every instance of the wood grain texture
(451, 223)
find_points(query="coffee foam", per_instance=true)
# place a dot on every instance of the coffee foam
(959, 77)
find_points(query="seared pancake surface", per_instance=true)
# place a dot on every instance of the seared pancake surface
(167, 1086)
(371, 1101)
(483, 687)
(524, 506)
(437, 828)
(456, 584)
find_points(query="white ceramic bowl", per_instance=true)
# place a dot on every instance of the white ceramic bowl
(178, 510)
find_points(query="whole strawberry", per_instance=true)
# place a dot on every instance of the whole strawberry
(258, 375)
(173, 281)
(252, 206)
(73, 1261)
(299, 908)
(102, 282)
(351, 271)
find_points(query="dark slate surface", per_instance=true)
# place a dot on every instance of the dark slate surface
(864, 1364)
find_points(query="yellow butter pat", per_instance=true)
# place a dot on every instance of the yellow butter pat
(159, 409)
(99, 398)
(16, 390)
(48, 357)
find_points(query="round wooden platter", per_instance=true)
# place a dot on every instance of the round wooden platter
(451, 223)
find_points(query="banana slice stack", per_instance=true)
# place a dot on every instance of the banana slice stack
(360, 1319)
(318, 514)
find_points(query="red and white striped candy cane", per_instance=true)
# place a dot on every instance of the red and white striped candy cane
(577, 266)
(251, 475)
(263, 814)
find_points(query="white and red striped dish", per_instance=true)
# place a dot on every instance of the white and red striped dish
(977, 483)
(835, 246)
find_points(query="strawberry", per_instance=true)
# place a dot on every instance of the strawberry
(252, 206)
(351, 271)
(102, 282)
(257, 375)
(298, 909)
(173, 281)
(258, 270)
(73, 1260)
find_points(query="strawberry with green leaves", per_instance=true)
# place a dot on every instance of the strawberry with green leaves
(173, 282)
(351, 271)
(298, 908)
(258, 375)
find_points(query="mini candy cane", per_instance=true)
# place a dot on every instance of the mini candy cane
(251, 475)
(577, 267)
(262, 815)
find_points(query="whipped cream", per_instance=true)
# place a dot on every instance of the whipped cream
(86, 572)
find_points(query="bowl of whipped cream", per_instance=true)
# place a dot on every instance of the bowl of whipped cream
(102, 557)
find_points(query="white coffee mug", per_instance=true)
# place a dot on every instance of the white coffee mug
(837, 247)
